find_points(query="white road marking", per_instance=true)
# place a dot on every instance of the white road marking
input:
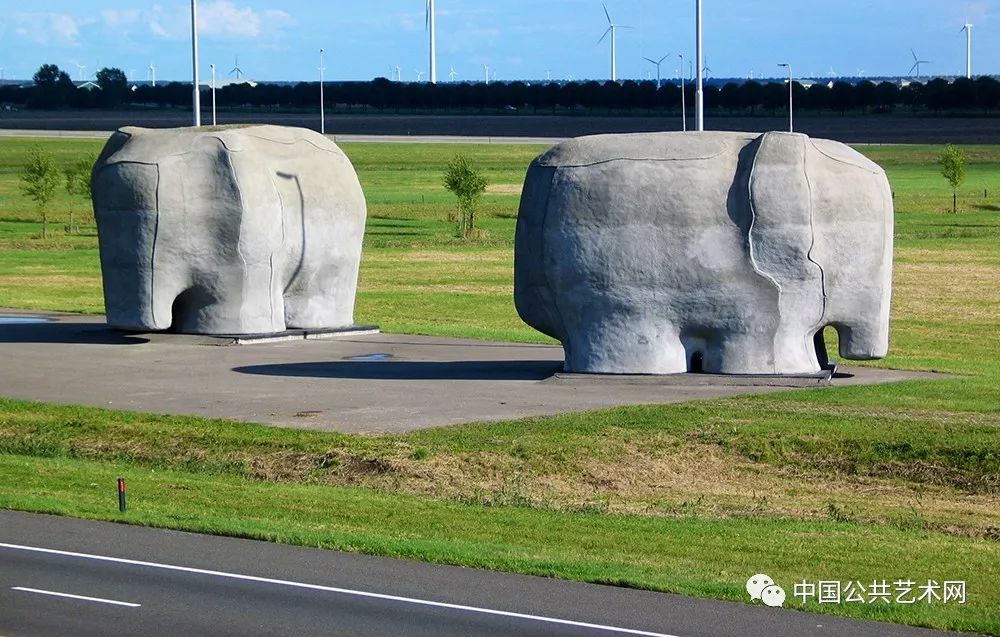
(83, 597)
(333, 589)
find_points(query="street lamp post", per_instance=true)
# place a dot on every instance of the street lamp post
(791, 121)
(196, 103)
(213, 93)
(322, 102)
(684, 117)
(699, 99)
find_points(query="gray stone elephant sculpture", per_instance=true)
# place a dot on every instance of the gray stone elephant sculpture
(718, 252)
(243, 230)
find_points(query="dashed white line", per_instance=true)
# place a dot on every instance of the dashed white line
(340, 591)
(101, 600)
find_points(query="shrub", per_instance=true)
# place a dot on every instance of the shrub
(467, 183)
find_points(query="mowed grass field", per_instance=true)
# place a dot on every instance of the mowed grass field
(862, 483)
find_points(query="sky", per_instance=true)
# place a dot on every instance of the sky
(518, 39)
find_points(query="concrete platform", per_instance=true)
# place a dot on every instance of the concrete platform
(358, 384)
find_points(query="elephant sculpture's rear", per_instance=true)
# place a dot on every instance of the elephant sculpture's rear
(244, 230)
(720, 252)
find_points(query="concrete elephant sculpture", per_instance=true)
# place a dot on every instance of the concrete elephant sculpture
(717, 252)
(248, 230)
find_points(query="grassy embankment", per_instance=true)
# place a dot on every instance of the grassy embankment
(899, 481)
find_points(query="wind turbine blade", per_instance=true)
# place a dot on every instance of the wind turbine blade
(605, 35)
(649, 60)
(663, 58)
(427, 16)
(607, 14)
(914, 54)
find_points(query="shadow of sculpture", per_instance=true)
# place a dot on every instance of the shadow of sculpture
(412, 370)
(60, 332)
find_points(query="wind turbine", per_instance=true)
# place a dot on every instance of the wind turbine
(707, 70)
(420, 75)
(657, 63)
(237, 71)
(613, 30)
(916, 63)
(151, 74)
(861, 72)
(79, 70)
(432, 30)
(486, 72)
(452, 74)
(968, 49)
(1, 73)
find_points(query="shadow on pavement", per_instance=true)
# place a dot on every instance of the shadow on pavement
(58, 332)
(412, 370)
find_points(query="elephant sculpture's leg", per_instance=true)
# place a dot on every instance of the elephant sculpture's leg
(761, 352)
(732, 352)
(862, 339)
(228, 301)
(619, 343)
(320, 303)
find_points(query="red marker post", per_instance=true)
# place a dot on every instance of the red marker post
(121, 494)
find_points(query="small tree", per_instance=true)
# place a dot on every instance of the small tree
(39, 179)
(467, 183)
(78, 183)
(952, 162)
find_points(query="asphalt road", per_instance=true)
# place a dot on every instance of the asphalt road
(60, 576)
(897, 129)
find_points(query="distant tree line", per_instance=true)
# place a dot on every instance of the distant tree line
(53, 88)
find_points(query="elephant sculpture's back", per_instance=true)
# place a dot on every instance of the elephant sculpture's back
(661, 253)
(243, 230)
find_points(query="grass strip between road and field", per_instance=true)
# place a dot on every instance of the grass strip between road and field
(705, 558)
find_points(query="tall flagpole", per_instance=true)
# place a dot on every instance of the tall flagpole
(432, 27)
(213, 94)
(194, 62)
(699, 99)
(322, 103)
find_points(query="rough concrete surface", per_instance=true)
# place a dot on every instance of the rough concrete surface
(366, 384)
(727, 253)
(227, 230)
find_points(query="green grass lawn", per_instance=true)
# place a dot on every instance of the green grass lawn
(858, 483)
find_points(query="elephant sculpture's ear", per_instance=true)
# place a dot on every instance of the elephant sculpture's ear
(781, 231)
(115, 143)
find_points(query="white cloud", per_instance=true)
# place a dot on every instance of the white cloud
(49, 28)
(116, 19)
(219, 19)
(224, 18)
